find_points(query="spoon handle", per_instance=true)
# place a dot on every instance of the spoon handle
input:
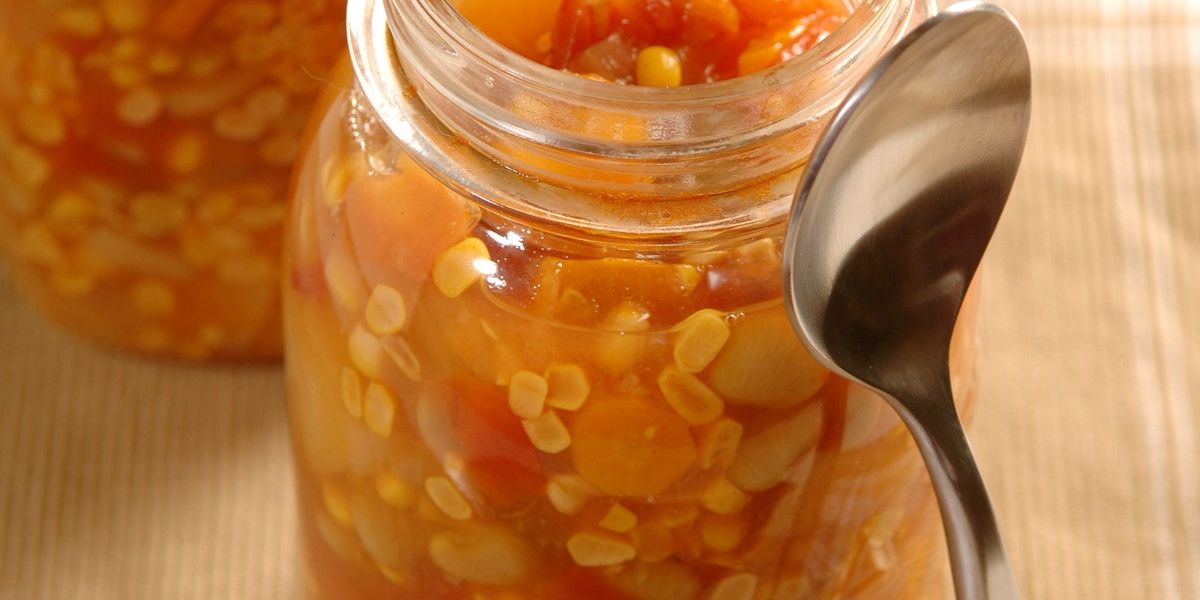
(978, 560)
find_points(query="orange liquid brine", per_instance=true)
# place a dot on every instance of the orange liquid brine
(484, 411)
(145, 152)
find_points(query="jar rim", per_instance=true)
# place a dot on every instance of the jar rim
(751, 84)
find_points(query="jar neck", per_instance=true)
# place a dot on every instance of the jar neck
(551, 145)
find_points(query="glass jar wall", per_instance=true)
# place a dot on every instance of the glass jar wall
(145, 154)
(580, 385)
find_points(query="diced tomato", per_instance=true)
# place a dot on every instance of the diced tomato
(719, 15)
(572, 33)
(500, 462)
(665, 15)
(766, 11)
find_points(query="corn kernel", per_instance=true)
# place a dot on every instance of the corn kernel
(461, 266)
(69, 213)
(393, 491)
(386, 310)
(336, 503)
(402, 356)
(238, 125)
(105, 249)
(548, 433)
(126, 15)
(28, 167)
(722, 533)
(153, 298)
(339, 539)
(718, 443)
(700, 338)
(379, 409)
(697, 404)
(527, 394)
(735, 587)
(568, 493)
(366, 352)
(140, 106)
(185, 153)
(352, 392)
(164, 62)
(447, 498)
(880, 532)
(337, 176)
(659, 66)
(80, 21)
(267, 103)
(73, 284)
(592, 550)
(252, 48)
(126, 76)
(18, 201)
(128, 48)
(344, 282)
(227, 240)
(204, 64)
(724, 498)
(543, 44)
(55, 66)
(573, 307)
(41, 125)
(627, 317)
(619, 519)
(39, 246)
(567, 387)
(618, 352)
(155, 215)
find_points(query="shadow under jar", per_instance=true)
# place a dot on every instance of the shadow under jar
(145, 152)
(535, 340)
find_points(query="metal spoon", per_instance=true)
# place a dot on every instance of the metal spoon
(890, 222)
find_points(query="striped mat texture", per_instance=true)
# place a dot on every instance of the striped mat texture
(127, 479)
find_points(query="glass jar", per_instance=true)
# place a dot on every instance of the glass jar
(535, 340)
(145, 151)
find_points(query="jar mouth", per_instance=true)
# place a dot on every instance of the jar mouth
(502, 58)
(544, 147)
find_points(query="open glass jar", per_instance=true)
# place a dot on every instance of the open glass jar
(535, 340)
(145, 152)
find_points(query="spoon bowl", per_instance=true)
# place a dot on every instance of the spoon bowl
(899, 202)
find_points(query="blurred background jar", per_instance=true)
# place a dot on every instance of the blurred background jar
(145, 154)
(535, 338)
